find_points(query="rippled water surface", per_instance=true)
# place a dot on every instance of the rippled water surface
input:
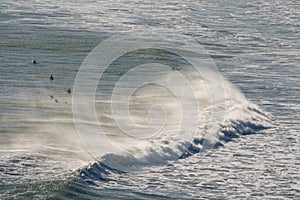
(254, 44)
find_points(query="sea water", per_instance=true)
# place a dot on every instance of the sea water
(253, 44)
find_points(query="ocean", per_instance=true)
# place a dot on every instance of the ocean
(149, 99)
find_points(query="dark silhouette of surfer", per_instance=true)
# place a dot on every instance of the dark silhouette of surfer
(51, 77)
(69, 91)
(34, 61)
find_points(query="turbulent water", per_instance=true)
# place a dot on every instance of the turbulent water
(46, 151)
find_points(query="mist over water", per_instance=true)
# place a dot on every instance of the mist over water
(42, 154)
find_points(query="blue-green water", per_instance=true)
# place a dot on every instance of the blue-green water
(254, 44)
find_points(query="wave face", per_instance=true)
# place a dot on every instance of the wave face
(141, 151)
(156, 102)
(242, 118)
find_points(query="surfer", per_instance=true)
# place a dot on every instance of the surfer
(51, 77)
(69, 91)
(34, 61)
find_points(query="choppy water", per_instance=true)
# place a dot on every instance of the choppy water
(254, 44)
